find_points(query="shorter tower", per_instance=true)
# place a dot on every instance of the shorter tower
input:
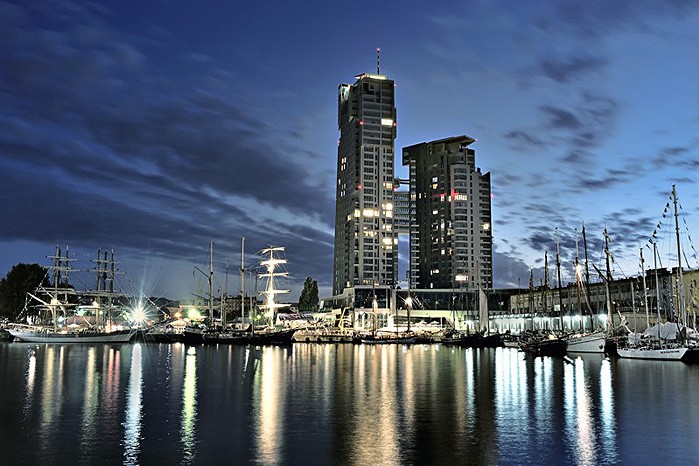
(450, 231)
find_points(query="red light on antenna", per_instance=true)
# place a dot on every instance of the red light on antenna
(359, 186)
(361, 122)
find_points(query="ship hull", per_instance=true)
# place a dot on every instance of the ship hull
(32, 336)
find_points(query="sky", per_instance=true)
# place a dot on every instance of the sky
(154, 128)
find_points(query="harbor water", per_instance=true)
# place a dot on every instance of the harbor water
(340, 404)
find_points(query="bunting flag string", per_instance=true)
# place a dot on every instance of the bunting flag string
(691, 243)
(659, 226)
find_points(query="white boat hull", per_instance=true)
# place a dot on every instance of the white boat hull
(589, 343)
(659, 354)
(34, 336)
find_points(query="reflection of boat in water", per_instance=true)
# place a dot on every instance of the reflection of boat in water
(471, 340)
(325, 335)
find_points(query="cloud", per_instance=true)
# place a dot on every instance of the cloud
(509, 271)
(102, 147)
(569, 68)
(557, 118)
(520, 136)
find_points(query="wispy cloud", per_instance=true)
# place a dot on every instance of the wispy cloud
(101, 146)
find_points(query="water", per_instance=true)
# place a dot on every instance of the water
(340, 404)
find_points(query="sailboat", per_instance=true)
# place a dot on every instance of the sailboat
(543, 343)
(270, 334)
(383, 337)
(198, 334)
(486, 339)
(592, 341)
(101, 330)
(672, 346)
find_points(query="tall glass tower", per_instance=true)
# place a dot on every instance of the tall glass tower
(366, 246)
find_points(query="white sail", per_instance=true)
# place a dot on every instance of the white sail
(272, 264)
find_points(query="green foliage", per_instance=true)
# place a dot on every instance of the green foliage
(308, 301)
(21, 279)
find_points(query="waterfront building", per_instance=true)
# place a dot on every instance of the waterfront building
(366, 251)
(450, 232)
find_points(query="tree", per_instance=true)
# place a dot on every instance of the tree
(21, 279)
(308, 301)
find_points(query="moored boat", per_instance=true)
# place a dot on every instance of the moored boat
(586, 342)
(380, 338)
(459, 339)
(544, 345)
(660, 352)
(68, 321)
(37, 334)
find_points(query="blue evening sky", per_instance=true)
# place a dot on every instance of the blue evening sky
(156, 127)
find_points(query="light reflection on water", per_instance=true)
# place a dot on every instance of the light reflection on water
(339, 404)
(189, 407)
(579, 424)
(31, 376)
(608, 426)
(132, 425)
(90, 404)
(270, 404)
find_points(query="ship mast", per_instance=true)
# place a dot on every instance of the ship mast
(270, 292)
(242, 285)
(680, 301)
(560, 289)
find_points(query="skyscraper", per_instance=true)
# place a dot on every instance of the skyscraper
(450, 233)
(366, 249)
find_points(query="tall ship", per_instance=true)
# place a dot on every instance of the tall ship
(272, 262)
(60, 315)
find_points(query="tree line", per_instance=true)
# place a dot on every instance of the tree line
(20, 280)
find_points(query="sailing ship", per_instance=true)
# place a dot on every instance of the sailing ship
(669, 346)
(272, 263)
(100, 327)
(593, 341)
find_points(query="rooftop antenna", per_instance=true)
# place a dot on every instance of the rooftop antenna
(378, 60)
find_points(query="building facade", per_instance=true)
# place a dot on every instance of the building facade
(366, 247)
(450, 232)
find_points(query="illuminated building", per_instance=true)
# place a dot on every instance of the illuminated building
(366, 249)
(450, 231)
